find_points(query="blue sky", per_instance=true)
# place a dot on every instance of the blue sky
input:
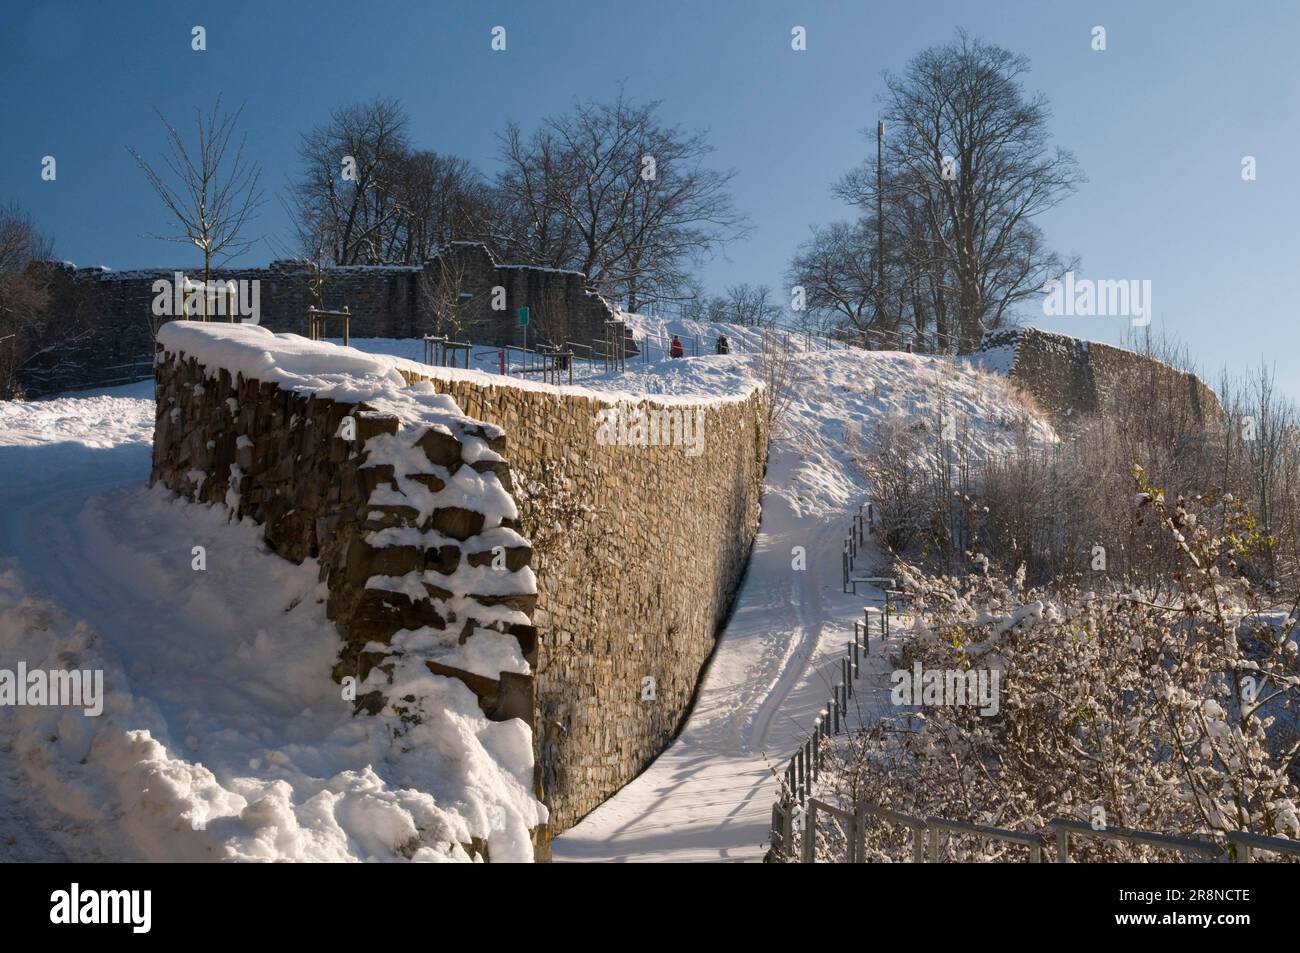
(1159, 121)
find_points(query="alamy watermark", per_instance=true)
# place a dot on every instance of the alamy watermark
(55, 688)
(216, 298)
(1088, 298)
(947, 686)
(133, 908)
(630, 426)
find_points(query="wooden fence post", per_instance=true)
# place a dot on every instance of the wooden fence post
(810, 834)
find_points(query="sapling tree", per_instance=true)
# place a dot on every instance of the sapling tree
(209, 185)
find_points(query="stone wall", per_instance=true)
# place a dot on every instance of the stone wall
(113, 310)
(1072, 378)
(638, 549)
(408, 516)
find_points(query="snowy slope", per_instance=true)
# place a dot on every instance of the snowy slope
(222, 711)
(709, 796)
(223, 735)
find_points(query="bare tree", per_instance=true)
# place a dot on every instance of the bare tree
(43, 310)
(837, 270)
(443, 199)
(211, 191)
(366, 197)
(611, 191)
(751, 306)
(967, 168)
(347, 199)
(443, 287)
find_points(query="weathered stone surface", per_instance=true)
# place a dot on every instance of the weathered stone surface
(632, 584)
(441, 448)
(1071, 379)
(457, 522)
(638, 551)
(384, 301)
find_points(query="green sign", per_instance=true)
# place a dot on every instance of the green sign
(523, 317)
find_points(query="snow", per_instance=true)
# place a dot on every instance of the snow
(709, 796)
(351, 375)
(223, 735)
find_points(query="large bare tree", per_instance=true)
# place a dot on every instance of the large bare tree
(610, 190)
(968, 167)
(347, 198)
(210, 187)
(970, 147)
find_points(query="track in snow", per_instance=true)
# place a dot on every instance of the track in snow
(709, 796)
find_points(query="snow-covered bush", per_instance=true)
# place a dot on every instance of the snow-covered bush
(1061, 509)
(1167, 707)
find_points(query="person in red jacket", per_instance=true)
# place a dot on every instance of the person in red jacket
(676, 349)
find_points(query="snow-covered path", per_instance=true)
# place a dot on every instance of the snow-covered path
(56, 455)
(709, 796)
(246, 693)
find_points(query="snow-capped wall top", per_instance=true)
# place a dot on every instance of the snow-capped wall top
(347, 374)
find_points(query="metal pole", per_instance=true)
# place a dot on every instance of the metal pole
(880, 220)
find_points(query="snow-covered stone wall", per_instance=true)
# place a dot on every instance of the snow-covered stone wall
(402, 499)
(1071, 378)
(639, 550)
(635, 514)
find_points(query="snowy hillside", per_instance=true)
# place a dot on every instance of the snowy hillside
(709, 796)
(222, 736)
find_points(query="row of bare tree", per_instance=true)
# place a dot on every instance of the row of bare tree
(606, 188)
(943, 248)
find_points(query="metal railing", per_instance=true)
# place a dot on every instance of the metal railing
(804, 766)
(795, 827)
(797, 809)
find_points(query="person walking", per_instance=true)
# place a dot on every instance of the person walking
(724, 346)
(675, 350)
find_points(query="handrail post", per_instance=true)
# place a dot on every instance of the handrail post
(810, 834)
